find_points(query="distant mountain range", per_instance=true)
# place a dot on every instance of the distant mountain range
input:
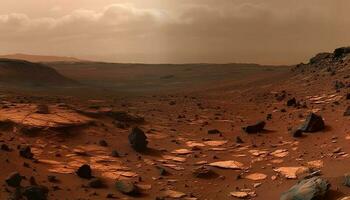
(40, 58)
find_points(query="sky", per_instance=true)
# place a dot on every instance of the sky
(175, 31)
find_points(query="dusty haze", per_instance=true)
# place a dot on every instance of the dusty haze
(168, 31)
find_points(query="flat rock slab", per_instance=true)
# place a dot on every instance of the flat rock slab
(256, 176)
(26, 115)
(174, 194)
(292, 172)
(229, 164)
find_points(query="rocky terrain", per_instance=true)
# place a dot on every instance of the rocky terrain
(283, 136)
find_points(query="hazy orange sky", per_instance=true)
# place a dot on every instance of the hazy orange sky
(175, 31)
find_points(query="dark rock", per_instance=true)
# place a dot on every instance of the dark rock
(127, 187)
(347, 180)
(103, 143)
(42, 109)
(36, 192)
(347, 111)
(5, 147)
(313, 123)
(162, 171)
(339, 85)
(16, 195)
(96, 183)
(347, 96)
(281, 96)
(138, 140)
(26, 152)
(14, 179)
(269, 116)
(115, 154)
(52, 179)
(297, 132)
(84, 172)
(239, 140)
(308, 189)
(255, 128)
(292, 102)
(204, 172)
(214, 131)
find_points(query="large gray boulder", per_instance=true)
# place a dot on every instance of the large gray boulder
(138, 140)
(309, 189)
(313, 123)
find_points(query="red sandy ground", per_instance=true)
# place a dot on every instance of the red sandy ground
(223, 107)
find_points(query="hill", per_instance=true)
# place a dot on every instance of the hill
(40, 58)
(19, 72)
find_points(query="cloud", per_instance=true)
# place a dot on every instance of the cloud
(114, 18)
(271, 31)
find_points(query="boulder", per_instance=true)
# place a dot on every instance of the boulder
(308, 189)
(127, 187)
(84, 172)
(204, 172)
(292, 102)
(297, 132)
(313, 123)
(26, 152)
(36, 192)
(255, 128)
(138, 139)
(14, 179)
